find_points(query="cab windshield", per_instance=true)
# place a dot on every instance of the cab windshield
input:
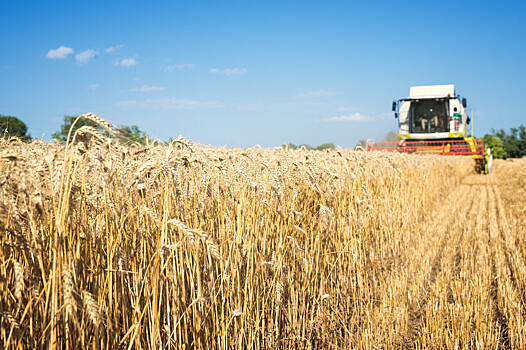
(428, 115)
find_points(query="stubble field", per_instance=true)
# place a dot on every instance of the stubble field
(182, 246)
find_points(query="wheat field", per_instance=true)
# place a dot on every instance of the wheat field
(107, 246)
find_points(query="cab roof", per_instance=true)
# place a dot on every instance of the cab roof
(432, 91)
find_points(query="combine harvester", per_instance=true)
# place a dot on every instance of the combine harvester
(433, 120)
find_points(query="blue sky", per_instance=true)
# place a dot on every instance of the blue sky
(241, 73)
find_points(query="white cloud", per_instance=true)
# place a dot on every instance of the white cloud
(93, 86)
(127, 62)
(60, 53)
(179, 67)
(146, 88)
(171, 103)
(114, 48)
(85, 56)
(315, 94)
(356, 117)
(228, 71)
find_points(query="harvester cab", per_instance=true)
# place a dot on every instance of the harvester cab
(434, 120)
(432, 113)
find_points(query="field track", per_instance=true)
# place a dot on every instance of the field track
(463, 281)
(464, 261)
(180, 246)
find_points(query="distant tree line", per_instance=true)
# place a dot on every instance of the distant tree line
(324, 146)
(13, 127)
(505, 145)
(126, 134)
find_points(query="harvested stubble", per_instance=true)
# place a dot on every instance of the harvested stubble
(184, 246)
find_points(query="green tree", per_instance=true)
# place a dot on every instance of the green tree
(62, 134)
(131, 135)
(495, 144)
(361, 143)
(13, 127)
(290, 145)
(324, 146)
(513, 142)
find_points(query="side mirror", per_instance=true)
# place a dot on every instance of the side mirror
(396, 115)
(464, 103)
(394, 106)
